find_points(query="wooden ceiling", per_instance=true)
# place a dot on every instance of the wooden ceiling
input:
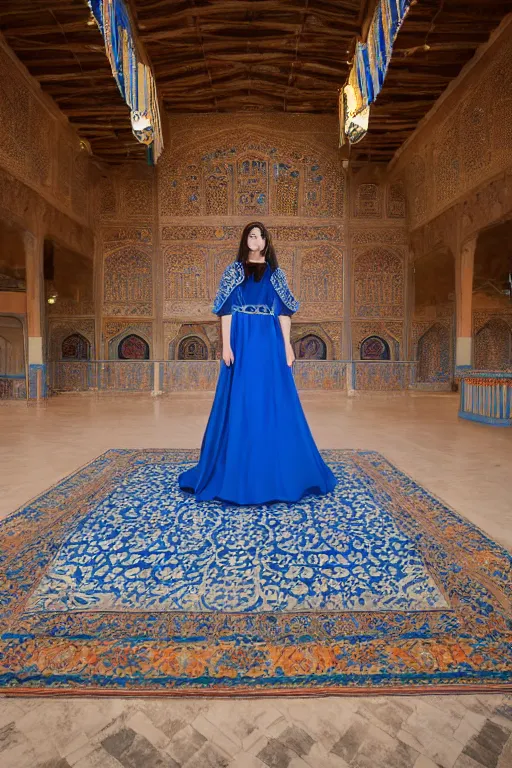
(255, 55)
(231, 55)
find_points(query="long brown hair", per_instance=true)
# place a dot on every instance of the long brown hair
(268, 252)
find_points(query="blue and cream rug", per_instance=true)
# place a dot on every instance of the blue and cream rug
(116, 581)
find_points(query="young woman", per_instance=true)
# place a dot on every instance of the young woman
(257, 447)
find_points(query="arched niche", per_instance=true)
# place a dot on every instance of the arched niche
(133, 347)
(75, 347)
(375, 348)
(493, 346)
(310, 347)
(433, 355)
(192, 348)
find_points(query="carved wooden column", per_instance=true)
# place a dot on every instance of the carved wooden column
(35, 314)
(464, 265)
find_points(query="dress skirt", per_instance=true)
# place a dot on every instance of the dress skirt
(257, 447)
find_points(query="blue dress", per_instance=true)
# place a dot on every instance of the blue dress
(257, 447)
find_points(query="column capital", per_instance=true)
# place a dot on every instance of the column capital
(468, 246)
(29, 239)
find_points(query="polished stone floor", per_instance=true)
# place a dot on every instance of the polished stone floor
(401, 732)
(467, 465)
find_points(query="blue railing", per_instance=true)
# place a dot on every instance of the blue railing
(486, 396)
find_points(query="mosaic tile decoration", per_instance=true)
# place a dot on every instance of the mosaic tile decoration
(116, 581)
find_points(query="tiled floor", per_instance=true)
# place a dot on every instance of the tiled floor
(467, 465)
(401, 732)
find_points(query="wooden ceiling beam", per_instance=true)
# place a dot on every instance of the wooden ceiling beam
(321, 66)
(33, 9)
(246, 86)
(185, 83)
(282, 21)
(224, 9)
(100, 133)
(165, 71)
(440, 47)
(237, 27)
(243, 31)
(406, 76)
(46, 29)
(405, 106)
(450, 30)
(101, 111)
(57, 64)
(34, 45)
(177, 85)
(88, 91)
(113, 127)
(244, 98)
(97, 74)
(238, 49)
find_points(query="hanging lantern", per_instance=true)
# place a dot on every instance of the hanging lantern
(355, 122)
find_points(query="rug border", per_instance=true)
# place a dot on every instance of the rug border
(242, 692)
(65, 478)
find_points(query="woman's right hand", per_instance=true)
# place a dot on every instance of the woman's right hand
(227, 356)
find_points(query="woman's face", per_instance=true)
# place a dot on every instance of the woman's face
(255, 240)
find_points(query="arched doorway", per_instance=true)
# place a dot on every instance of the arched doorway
(434, 305)
(13, 375)
(434, 355)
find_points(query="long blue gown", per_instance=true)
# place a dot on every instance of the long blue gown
(257, 447)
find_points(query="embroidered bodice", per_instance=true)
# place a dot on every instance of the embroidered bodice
(254, 290)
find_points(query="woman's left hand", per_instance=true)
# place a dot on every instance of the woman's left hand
(290, 355)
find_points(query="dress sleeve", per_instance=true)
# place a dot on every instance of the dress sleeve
(288, 303)
(280, 308)
(232, 277)
(226, 308)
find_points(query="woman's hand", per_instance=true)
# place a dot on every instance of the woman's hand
(290, 354)
(227, 355)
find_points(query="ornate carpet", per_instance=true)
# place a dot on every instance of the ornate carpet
(114, 581)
